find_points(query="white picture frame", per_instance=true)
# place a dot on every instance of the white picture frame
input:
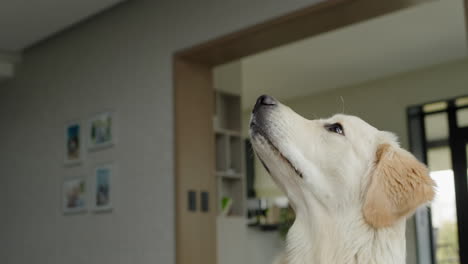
(74, 195)
(73, 143)
(101, 130)
(103, 180)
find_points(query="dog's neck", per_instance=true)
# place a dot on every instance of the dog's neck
(346, 239)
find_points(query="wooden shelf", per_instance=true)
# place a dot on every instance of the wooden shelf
(227, 175)
(227, 112)
(233, 189)
(229, 171)
(265, 227)
(227, 132)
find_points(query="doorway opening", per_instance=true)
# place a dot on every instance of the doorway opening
(197, 171)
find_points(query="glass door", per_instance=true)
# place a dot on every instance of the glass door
(443, 210)
(439, 137)
(458, 139)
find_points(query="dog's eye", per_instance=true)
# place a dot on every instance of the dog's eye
(335, 128)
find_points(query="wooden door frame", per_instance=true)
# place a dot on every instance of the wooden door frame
(193, 102)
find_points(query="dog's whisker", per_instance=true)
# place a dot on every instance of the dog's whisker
(343, 104)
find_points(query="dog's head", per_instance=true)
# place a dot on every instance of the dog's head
(340, 164)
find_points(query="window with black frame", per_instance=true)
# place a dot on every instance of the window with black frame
(439, 137)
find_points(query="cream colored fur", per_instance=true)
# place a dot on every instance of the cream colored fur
(351, 193)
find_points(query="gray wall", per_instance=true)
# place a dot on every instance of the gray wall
(119, 60)
(383, 102)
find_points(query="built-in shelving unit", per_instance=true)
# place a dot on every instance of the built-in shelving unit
(229, 171)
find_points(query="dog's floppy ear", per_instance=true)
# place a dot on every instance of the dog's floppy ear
(399, 184)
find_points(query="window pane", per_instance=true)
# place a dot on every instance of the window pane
(436, 126)
(439, 159)
(462, 101)
(434, 107)
(443, 208)
(462, 117)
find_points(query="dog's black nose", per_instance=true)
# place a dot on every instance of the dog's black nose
(264, 100)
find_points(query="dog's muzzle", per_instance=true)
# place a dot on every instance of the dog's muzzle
(260, 125)
(263, 106)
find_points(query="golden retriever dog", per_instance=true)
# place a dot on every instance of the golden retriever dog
(351, 186)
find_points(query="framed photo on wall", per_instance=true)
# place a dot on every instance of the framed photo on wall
(103, 187)
(101, 131)
(73, 143)
(74, 192)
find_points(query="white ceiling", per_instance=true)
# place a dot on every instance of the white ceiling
(25, 22)
(410, 39)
